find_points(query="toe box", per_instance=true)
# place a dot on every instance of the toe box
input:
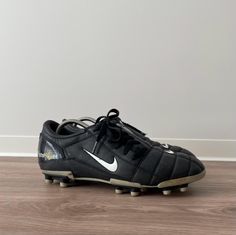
(186, 165)
(185, 169)
(196, 166)
(177, 165)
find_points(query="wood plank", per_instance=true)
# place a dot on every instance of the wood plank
(29, 206)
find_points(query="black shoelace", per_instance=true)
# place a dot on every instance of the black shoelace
(112, 126)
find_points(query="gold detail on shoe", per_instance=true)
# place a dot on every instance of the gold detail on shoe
(47, 155)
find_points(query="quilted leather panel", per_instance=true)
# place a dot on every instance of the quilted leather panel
(176, 165)
(181, 168)
(147, 166)
(164, 168)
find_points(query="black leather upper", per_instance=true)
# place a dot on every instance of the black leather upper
(155, 166)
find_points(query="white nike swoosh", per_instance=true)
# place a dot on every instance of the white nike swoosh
(169, 151)
(109, 166)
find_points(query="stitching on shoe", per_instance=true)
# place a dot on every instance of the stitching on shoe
(155, 168)
(173, 168)
(139, 164)
(190, 163)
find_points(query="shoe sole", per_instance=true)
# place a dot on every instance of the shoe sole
(65, 177)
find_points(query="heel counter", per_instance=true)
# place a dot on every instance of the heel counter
(48, 151)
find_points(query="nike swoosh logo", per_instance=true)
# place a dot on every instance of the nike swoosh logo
(169, 151)
(109, 166)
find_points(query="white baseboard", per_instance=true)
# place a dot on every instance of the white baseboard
(18, 146)
(205, 149)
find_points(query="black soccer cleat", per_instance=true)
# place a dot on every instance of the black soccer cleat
(111, 152)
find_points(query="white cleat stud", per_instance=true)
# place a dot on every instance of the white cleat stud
(63, 185)
(119, 191)
(56, 181)
(134, 193)
(184, 189)
(166, 192)
(47, 181)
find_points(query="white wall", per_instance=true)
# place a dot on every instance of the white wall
(169, 66)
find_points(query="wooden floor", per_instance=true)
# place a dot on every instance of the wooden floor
(29, 206)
